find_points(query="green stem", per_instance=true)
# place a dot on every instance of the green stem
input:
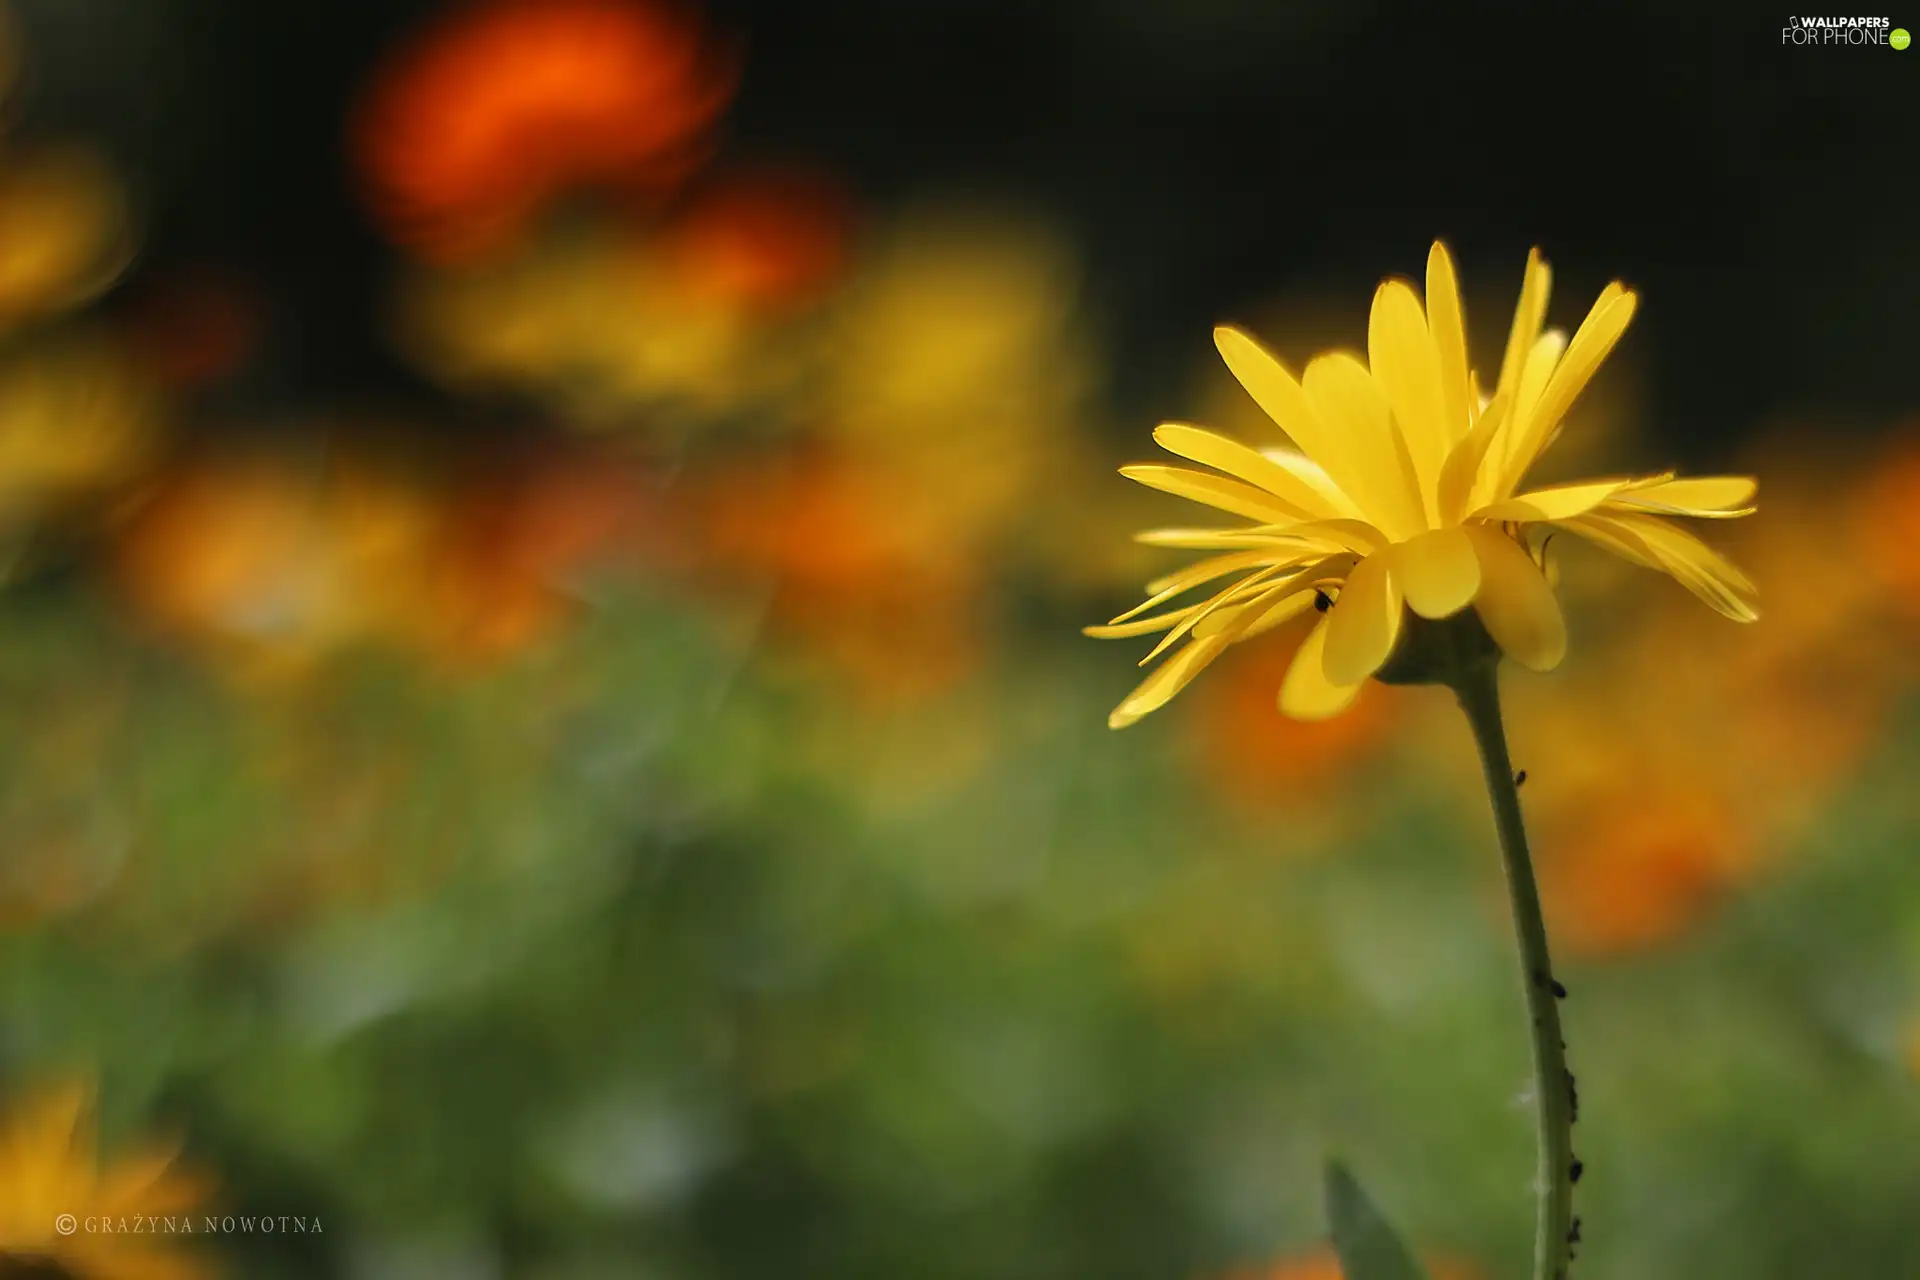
(1479, 693)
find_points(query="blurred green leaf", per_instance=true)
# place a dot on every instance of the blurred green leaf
(1368, 1247)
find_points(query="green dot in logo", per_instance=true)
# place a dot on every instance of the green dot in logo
(1899, 38)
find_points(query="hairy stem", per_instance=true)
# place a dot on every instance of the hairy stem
(1553, 1086)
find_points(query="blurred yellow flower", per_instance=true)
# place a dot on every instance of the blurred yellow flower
(62, 1207)
(600, 324)
(75, 421)
(1407, 494)
(65, 233)
(956, 358)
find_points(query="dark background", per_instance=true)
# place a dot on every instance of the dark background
(1205, 154)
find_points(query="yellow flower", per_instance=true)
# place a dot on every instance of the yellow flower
(1405, 491)
(49, 1169)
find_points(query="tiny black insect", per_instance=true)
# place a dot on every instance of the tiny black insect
(1520, 778)
(1573, 1099)
(1560, 990)
(1573, 1236)
(1321, 600)
(1575, 1170)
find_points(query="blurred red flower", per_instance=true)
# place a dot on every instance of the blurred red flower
(495, 110)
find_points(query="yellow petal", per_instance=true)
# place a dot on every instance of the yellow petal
(1460, 479)
(1697, 566)
(1535, 288)
(1653, 542)
(1163, 589)
(1516, 603)
(1363, 623)
(1447, 321)
(1224, 606)
(1306, 693)
(1283, 399)
(1609, 317)
(1223, 453)
(1383, 480)
(1221, 492)
(1168, 679)
(1598, 333)
(1555, 502)
(1535, 373)
(1142, 626)
(1264, 616)
(1706, 497)
(1438, 571)
(1214, 566)
(1348, 535)
(1407, 369)
(1315, 477)
(1626, 546)
(1235, 539)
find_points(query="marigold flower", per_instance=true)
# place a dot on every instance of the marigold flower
(51, 1174)
(1405, 493)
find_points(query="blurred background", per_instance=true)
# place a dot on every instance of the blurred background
(545, 727)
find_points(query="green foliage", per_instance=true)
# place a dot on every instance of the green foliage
(1365, 1241)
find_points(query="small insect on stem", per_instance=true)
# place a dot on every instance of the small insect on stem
(1321, 600)
(1575, 1170)
(1559, 990)
(1520, 778)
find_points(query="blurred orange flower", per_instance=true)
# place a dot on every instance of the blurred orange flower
(1889, 520)
(1259, 756)
(1633, 867)
(50, 1170)
(498, 108)
(274, 563)
(860, 574)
